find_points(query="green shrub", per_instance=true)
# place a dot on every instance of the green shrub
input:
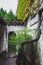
(22, 35)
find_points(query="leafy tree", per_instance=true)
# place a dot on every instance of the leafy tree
(11, 15)
(7, 16)
(26, 7)
(2, 12)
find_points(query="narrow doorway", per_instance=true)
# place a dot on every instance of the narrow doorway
(11, 44)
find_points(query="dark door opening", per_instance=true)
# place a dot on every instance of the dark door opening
(11, 44)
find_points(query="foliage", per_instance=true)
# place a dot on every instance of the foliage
(29, 51)
(22, 35)
(11, 15)
(26, 7)
(7, 16)
(2, 12)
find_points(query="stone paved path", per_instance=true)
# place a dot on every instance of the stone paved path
(9, 61)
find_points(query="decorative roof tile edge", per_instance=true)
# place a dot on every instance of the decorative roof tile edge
(18, 22)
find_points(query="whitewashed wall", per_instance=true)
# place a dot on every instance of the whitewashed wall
(41, 43)
(6, 33)
(14, 28)
(41, 38)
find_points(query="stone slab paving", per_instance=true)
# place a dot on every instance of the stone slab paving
(9, 61)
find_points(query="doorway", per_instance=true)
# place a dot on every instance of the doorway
(11, 44)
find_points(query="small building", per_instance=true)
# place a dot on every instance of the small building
(6, 27)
